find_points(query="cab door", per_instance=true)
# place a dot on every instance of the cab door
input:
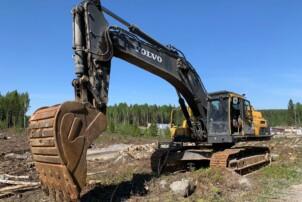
(247, 118)
(236, 116)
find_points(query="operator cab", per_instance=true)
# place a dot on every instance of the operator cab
(229, 117)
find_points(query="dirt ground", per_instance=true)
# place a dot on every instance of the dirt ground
(115, 176)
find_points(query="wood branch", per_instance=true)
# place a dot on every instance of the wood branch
(12, 188)
(4, 195)
(9, 177)
(99, 172)
(9, 190)
(19, 182)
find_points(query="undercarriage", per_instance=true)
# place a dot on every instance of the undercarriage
(182, 156)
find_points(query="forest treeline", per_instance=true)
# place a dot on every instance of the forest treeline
(128, 119)
(13, 108)
(275, 117)
(134, 119)
(141, 115)
(292, 116)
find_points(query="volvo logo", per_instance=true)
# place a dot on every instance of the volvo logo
(149, 54)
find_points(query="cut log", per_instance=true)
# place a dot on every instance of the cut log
(4, 195)
(15, 188)
(10, 190)
(14, 182)
(14, 177)
(99, 172)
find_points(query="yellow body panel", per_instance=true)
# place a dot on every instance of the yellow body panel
(179, 130)
(258, 122)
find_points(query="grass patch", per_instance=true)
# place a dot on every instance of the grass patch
(18, 131)
(114, 178)
(282, 172)
(211, 183)
(277, 178)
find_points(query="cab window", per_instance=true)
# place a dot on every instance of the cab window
(247, 109)
(218, 110)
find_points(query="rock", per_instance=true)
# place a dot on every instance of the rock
(275, 157)
(17, 156)
(3, 136)
(163, 184)
(243, 181)
(183, 187)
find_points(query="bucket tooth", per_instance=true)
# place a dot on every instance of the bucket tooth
(59, 137)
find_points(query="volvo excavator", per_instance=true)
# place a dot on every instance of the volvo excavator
(60, 135)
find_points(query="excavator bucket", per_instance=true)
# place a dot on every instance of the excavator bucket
(59, 138)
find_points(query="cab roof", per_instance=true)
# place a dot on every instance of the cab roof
(224, 93)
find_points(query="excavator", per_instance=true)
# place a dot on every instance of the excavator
(60, 135)
(230, 117)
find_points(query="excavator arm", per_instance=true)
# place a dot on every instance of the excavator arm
(60, 135)
(96, 43)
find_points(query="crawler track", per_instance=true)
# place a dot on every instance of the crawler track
(59, 137)
(241, 160)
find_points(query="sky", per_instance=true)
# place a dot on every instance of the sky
(252, 47)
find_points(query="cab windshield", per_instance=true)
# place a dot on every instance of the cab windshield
(218, 116)
(218, 110)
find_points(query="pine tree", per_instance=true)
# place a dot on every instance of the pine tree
(111, 126)
(13, 108)
(291, 113)
(299, 113)
(153, 130)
